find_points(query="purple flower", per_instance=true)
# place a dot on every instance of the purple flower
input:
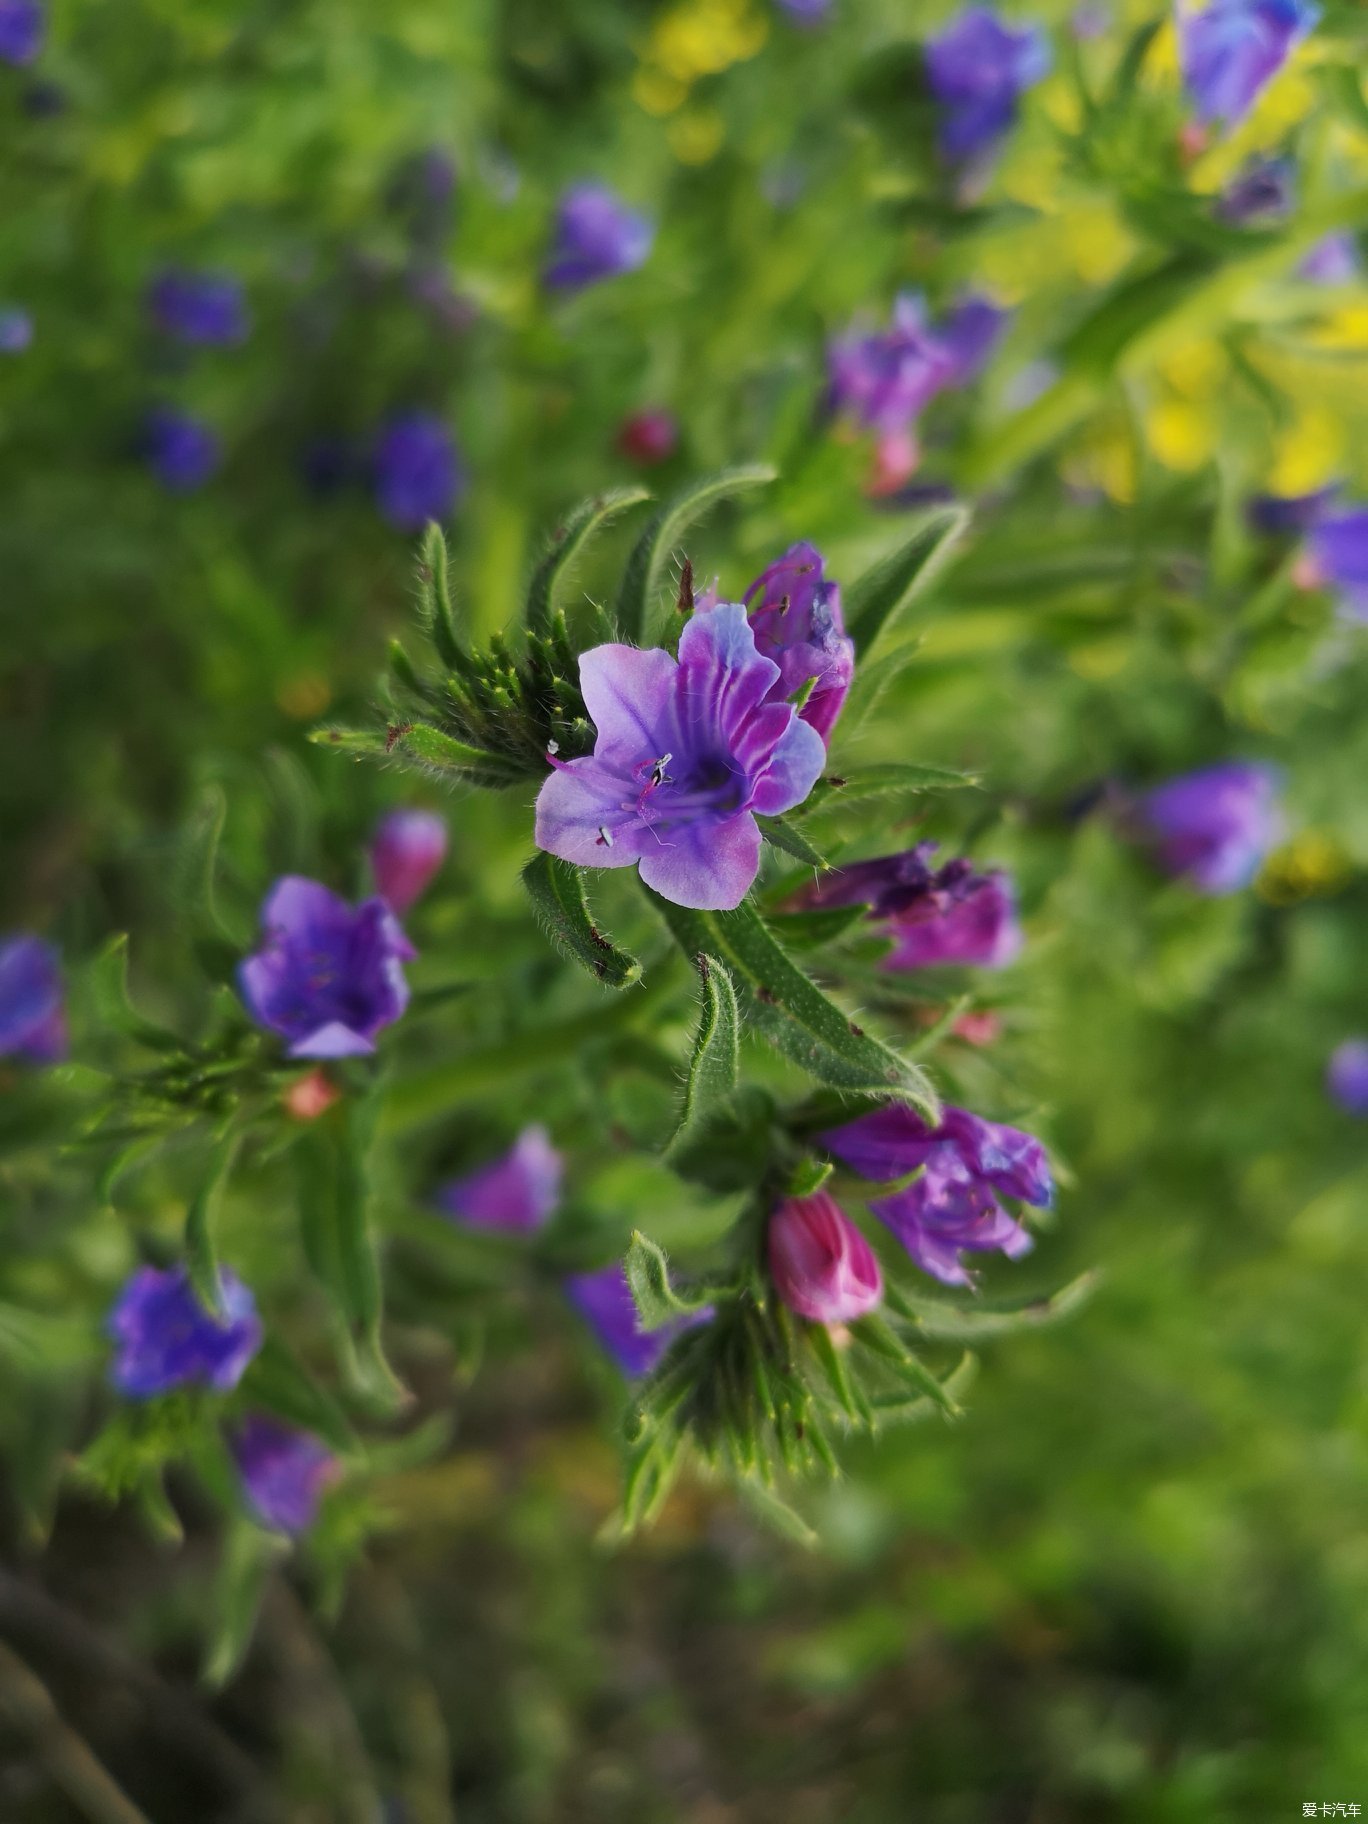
(1334, 260)
(604, 1300)
(1290, 515)
(649, 437)
(327, 976)
(406, 851)
(883, 381)
(965, 1164)
(1230, 48)
(183, 453)
(16, 330)
(32, 1020)
(284, 1472)
(948, 914)
(806, 13)
(205, 309)
(517, 1191)
(978, 69)
(688, 752)
(969, 336)
(1347, 1076)
(164, 1337)
(418, 474)
(795, 615)
(1339, 550)
(1214, 827)
(1262, 193)
(597, 237)
(821, 1265)
(22, 23)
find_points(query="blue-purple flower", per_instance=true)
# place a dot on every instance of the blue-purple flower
(1229, 49)
(1339, 551)
(328, 975)
(604, 1300)
(32, 1018)
(165, 1338)
(1290, 515)
(806, 13)
(16, 330)
(1334, 260)
(978, 69)
(688, 752)
(1262, 193)
(204, 309)
(284, 1472)
(182, 451)
(951, 1208)
(795, 615)
(22, 24)
(884, 380)
(597, 237)
(1214, 827)
(418, 473)
(1346, 1077)
(949, 914)
(517, 1191)
(821, 1265)
(406, 851)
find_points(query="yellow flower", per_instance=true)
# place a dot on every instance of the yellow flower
(657, 92)
(1181, 434)
(1309, 453)
(1312, 863)
(697, 136)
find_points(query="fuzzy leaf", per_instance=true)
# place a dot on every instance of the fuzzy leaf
(950, 1323)
(886, 591)
(648, 1274)
(715, 1063)
(435, 594)
(884, 780)
(427, 748)
(781, 834)
(776, 1513)
(641, 580)
(580, 525)
(557, 892)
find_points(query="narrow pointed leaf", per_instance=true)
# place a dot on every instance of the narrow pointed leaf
(590, 517)
(276, 1382)
(855, 784)
(887, 590)
(648, 1275)
(557, 892)
(201, 1254)
(636, 602)
(715, 1063)
(781, 834)
(950, 1323)
(776, 1513)
(108, 979)
(435, 591)
(195, 872)
(810, 930)
(427, 748)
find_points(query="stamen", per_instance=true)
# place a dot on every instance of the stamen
(605, 837)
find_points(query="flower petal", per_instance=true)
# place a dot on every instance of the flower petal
(629, 695)
(706, 866)
(794, 768)
(331, 1041)
(580, 799)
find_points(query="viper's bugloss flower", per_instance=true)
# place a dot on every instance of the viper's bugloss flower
(1334, 260)
(806, 13)
(22, 24)
(649, 437)
(965, 1164)
(204, 309)
(284, 1472)
(16, 330)
(182, 452)
(32, 1018)
(597, 237)
(1263, 193)
(1229, 49)
(688, 751)
(969, 333)
(883, 380)
(949, 914)
(1290, 515)
(1339, 550)
(978, 69)
(328, 976)
(406, 851)
(795, 615)
(418, 472)
(604, 1300)
(165, 1338)
(1346, 1077)
(821, 1265)
(517, 1191)
(1213, 827)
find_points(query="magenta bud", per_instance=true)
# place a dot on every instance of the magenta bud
(821, 1265)
(406, 851)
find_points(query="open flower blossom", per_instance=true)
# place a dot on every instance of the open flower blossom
(1339, 552)
(604, 1300)
(952, 1207)
(821, 1265)
(1347, 1076)
(205, 309)
(1213, 827)
(328, 975)
(165, 1338)
(795, 615)
(1230, 49)
(883, 380)
(32, 1019)
(978, 69)
(597, 237)
(406, 851)
(517, 1191)
(939, 915)
(418, 472)
(182, 452)
(22, 24)
(284, 1472)
(688, 751)
(1334, 260)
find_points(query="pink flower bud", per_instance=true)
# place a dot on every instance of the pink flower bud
(309, 1097)
(406, 851)
(649, 437)
(821, 1265)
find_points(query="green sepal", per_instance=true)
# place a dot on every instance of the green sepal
(648, 1275)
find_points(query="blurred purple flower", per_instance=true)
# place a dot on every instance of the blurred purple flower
(688, 752)
(1229, 49)
(165, 1338)
(604, 1300)
(182, 452)
(32, 1019)
(795, 615)
(1213, 827)
(806, 13)
(1290, 515)
(886, 379)
(205, 309)
(969, 335)
(1334, 260)
(948, 914)
(1339, 551)
(1262, 193)
(821, 1265)
(418, 474)
(284, 1472)
(22, 25)
(1347, 1076)
(327, 977)
(517, 1191)
(16, 330)
(978, 69)
(597, 237)
(406, 851)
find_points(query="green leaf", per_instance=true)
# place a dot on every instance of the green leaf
(201, 1257)
(648, 1275)
(277, 1382)
(810, 930)
(776, 1513)
(887, 590)
(950, 1323)
(652, 552)
(590, 517)
(878, 1335)
(807, 1176)
(557, 892)
(790, 1009)
(108, 979)
(715, 1064)
(435, 595)
(195, 871)
(882, 781)
(247, 1562)
(781, 834)
(427, 748)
